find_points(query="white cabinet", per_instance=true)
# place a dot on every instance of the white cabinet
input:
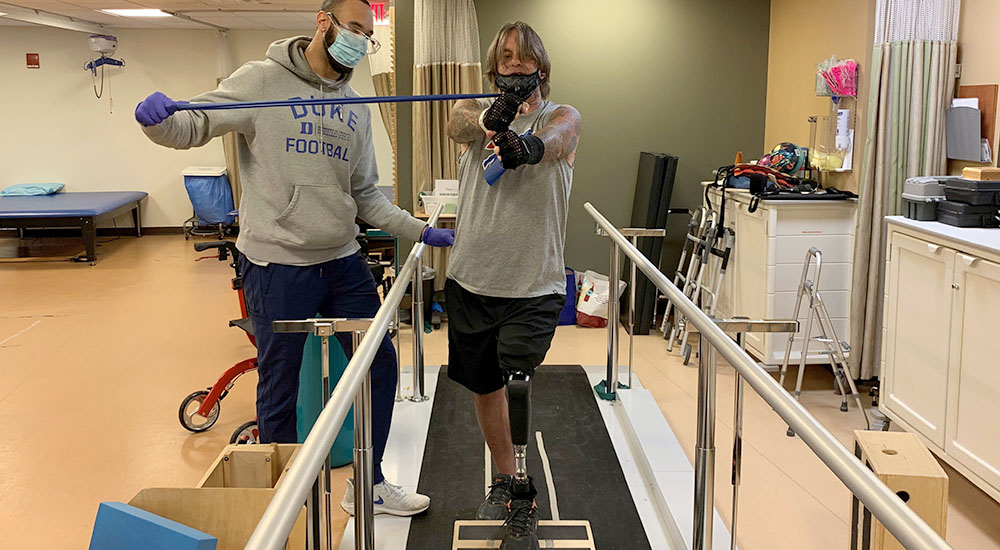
(918, 313)
(763, 276)
(973, 430)
(941, 355)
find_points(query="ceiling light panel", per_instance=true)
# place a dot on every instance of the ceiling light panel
(141, 12)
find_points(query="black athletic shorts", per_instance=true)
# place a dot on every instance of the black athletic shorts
(488, 335)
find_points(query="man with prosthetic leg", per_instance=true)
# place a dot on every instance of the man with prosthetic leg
(506, 280)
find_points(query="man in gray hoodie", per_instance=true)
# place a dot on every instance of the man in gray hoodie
(307, 172)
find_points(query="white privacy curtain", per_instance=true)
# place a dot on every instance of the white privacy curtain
(912, 83)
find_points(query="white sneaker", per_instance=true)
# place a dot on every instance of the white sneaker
(389, 499)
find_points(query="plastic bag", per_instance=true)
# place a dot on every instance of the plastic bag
(837, 78)
(592, 306)
(568, 314)
(212, 199)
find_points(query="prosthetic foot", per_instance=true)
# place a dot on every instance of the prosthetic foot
(519, 531)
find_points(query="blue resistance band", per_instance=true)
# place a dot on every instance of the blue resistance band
(328, 101)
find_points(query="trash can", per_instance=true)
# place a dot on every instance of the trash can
(310, 400)
(210, 193)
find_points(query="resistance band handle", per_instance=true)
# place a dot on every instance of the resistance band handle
(329, 101)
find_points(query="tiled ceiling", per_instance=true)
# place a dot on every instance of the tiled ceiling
(231, 14)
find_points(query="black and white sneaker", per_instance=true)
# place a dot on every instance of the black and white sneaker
(495, 505)
(388, 499)
(519, 531)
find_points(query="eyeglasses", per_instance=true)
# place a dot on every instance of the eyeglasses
(373, 43)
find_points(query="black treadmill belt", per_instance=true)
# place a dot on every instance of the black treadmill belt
(588, 479)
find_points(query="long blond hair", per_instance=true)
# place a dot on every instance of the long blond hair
(529, 45)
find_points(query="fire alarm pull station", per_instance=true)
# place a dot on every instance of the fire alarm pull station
(33, 61)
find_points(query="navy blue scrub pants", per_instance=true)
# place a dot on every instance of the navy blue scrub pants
(342, 288)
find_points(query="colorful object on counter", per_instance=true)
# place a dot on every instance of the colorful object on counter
(786, 158)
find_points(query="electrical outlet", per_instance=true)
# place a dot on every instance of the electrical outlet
(958, 70)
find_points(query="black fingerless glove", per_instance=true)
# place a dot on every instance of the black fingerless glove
(501, 113)
(516, 150)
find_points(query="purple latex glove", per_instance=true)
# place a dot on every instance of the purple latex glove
(438, 237)
(155, 109)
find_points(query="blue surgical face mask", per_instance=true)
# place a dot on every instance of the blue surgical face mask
(348, 47)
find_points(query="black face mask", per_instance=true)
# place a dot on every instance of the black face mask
(328, 39)
(521, 85)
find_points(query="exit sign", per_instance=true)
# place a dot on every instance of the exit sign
(381, 12)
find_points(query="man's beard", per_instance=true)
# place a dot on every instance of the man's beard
(334, 64)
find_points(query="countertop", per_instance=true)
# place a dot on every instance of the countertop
(982, 238)
(744, 194)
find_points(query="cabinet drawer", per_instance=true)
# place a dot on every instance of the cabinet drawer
(781, 304)
(808, 220)
(785, 277)
(792, 249)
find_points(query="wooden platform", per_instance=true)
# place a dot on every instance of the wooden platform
(566, 534)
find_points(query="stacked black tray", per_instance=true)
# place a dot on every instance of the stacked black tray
(970, 203)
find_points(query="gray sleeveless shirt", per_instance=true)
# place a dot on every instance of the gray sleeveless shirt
(509, 238)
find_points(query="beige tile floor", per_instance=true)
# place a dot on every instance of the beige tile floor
(95, 360)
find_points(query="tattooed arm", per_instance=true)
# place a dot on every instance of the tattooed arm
(561, 135)
(463, 124)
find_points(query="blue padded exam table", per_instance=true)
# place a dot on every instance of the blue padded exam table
(83, 210)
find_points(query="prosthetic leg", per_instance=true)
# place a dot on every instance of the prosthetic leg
(522, 530)
(519, 531)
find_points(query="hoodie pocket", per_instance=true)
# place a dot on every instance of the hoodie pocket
(317, 217)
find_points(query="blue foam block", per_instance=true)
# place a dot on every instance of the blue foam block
(123, 527)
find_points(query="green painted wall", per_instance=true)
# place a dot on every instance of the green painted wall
(683, 77)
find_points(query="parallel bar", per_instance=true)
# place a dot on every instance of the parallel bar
(612, 380)
(273, 528)
(704, 458)
(631, 311)
(328, 101)
(899, 519)
(417, 316)
(364, 468)
(321, 327)
(399, 326)
(399, 359)
(327, 524)
(741, 339)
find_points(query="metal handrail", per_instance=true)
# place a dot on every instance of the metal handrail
(904, 524)
(274, 526)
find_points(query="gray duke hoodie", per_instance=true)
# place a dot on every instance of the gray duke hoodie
(307, 172)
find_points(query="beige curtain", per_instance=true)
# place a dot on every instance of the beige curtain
(383, 65)
(446, 61)
(912, 84)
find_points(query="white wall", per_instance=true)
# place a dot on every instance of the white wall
(52, 128)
